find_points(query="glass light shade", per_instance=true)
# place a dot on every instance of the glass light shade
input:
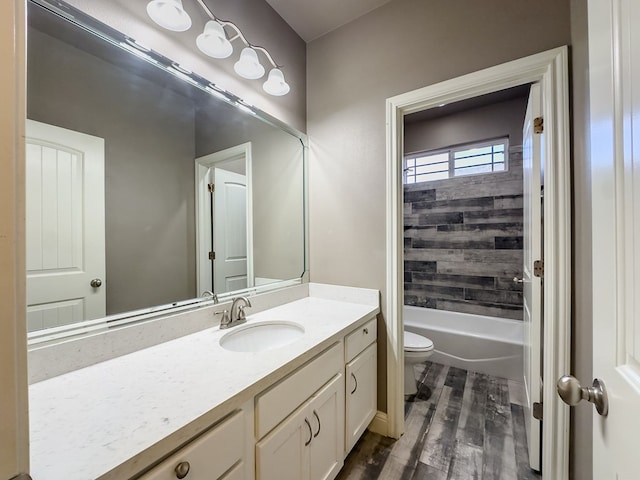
(169, 14)
(213, 41)
(275, 84)
(248, 66)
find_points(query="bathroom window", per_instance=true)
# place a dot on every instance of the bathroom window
(469, 159)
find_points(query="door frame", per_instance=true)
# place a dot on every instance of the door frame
(203, 236)
(550, 70)
(14, 416)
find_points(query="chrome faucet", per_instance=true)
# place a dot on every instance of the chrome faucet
(237, 315)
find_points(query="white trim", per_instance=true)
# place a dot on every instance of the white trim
(379, 423)
(203, 238)
(551, 71)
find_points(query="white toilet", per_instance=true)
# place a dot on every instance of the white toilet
(416, 350)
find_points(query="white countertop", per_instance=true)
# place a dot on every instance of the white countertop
(110, 420)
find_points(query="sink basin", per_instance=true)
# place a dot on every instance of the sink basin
(261, 336)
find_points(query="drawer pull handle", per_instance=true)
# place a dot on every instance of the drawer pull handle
(310, 432)
(182, 469)
(317, 418)
(355, 380)
(366, 331)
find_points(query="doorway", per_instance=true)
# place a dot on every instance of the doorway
(549, 70)
(224, 232)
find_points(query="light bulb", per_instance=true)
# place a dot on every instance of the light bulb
(213, 41)
(248, 66)
(169, 14)
(275, 84)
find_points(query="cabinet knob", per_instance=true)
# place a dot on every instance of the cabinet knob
(365, 331)
(182, 469)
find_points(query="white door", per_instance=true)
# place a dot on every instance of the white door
(229, 231)
(614, 77)
(65, 251)
(532, 233)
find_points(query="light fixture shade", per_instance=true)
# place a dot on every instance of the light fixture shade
(249, 66)
(213, 41)
(169, 14)
(275, 84)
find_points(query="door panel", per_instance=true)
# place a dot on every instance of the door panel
(230, 231)
(532, 148)
(614, 66)
(64, 227)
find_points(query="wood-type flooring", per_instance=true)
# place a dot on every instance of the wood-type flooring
(461, 425)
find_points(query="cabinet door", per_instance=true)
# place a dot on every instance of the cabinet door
(361, 394)
(284, 453)
(327, 417)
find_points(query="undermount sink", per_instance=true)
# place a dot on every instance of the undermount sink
(261, 336)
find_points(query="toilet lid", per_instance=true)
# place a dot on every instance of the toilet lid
(416, 343)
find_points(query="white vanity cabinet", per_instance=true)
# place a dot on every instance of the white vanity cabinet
(219, 453)
(308, 444)
(361, 379)
(300, 422)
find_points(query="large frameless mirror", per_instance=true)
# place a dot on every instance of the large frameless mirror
(147, 185)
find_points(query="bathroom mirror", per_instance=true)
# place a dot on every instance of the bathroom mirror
(146, 184)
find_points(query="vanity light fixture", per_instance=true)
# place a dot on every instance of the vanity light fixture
(249, 66)
(275, 84)
(214, 42)
(169, 14)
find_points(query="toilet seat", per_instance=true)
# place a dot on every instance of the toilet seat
(415, 343)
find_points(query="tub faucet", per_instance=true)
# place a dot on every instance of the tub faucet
(237, 314)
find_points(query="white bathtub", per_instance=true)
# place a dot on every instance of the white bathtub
(474, 342)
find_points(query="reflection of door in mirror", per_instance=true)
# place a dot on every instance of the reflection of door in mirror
(224, 226)
(65, 226)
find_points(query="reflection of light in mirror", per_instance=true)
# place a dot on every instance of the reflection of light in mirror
(137, 52)
(183, 73)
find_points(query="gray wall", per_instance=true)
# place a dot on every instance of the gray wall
(499, 119)
(401, 46)
(261, 25)
(149, 171)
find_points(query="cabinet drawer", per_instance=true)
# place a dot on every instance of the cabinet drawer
(360, 339)
(279, 401)
(208, 456)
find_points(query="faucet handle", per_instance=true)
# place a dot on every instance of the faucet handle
(226, 320)
(242, 315)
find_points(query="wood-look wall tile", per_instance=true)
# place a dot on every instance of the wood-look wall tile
(508, 201)
(506, 215)
(453, 243)
(435, 291)
(440, 218)
(490, 229)
(417, 193)
(478, 268)
(501, 311)
(453, 280)
(434, 254)
(493, 296)
(454, 205)
(506, 283)
(509, 243)
(417, 266)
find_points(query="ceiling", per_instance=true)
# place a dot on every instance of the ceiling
(313, 18)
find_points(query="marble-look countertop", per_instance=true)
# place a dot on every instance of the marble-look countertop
(112, 419)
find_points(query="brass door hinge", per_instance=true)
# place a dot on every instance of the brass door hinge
(537, 410)
(538, 125)
(538, 268)
(212, 255)
(211, 187)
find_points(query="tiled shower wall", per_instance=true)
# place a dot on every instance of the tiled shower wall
(463, 243)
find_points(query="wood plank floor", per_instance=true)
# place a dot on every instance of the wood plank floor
(460, 425)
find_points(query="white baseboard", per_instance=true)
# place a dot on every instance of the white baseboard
(380, 424)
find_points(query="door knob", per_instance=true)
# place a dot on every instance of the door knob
(571, 393)
(96, 282)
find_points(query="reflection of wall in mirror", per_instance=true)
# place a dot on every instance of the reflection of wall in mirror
(150, 243)
(277, 191)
